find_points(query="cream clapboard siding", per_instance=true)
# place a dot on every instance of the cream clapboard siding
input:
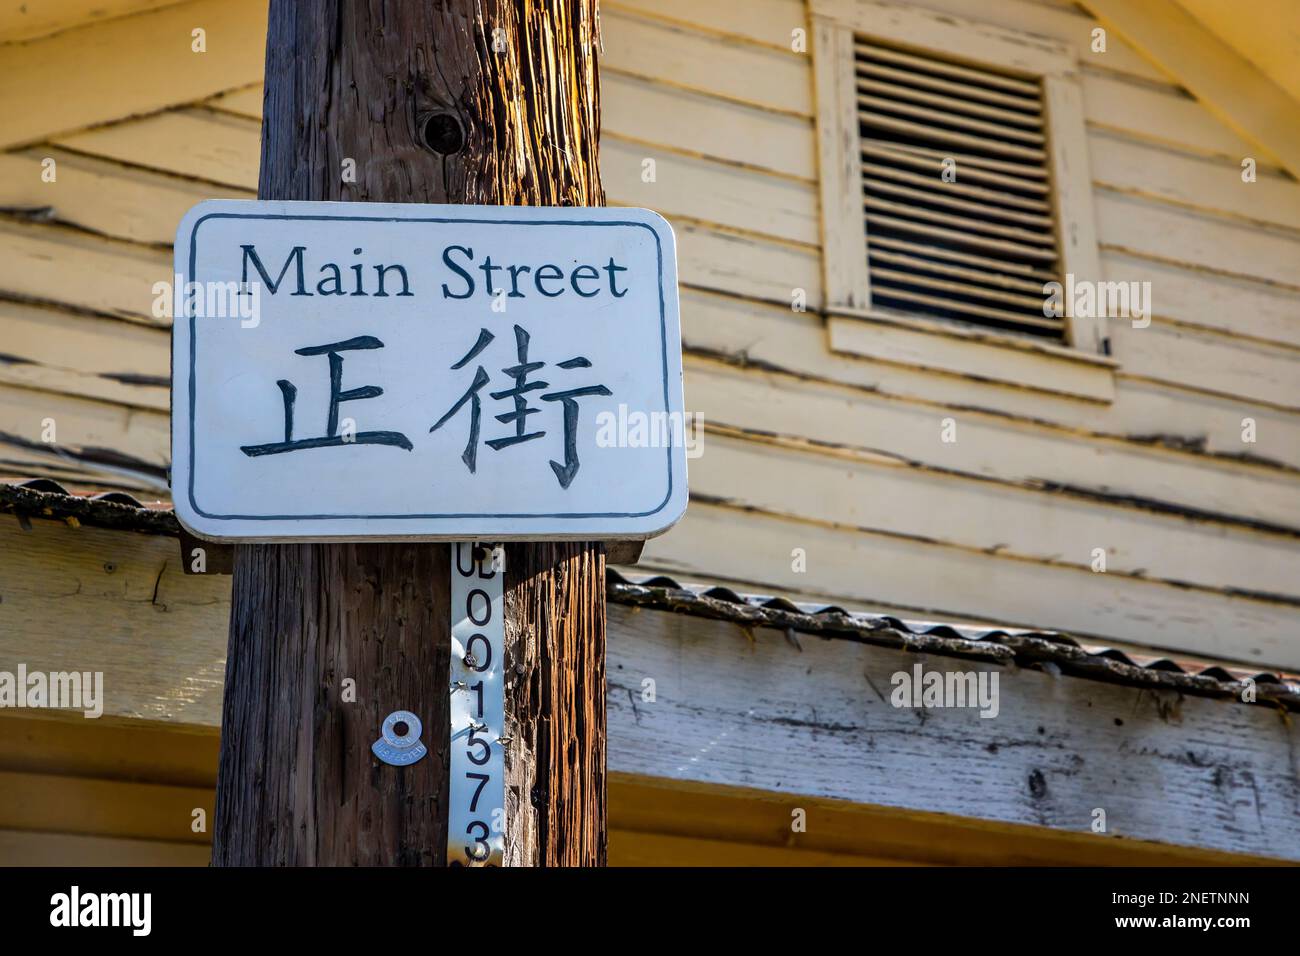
(837, 455)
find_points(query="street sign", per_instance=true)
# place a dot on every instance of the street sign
(362, 370)
(476, 800)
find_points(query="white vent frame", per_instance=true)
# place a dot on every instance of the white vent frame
(835, 24)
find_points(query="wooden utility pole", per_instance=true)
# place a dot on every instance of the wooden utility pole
(438, 101)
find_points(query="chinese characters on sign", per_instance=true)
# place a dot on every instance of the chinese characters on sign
(518, 395)
(519, 373)
(427, 372)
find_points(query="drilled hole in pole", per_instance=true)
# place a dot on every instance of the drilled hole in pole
(443, 133)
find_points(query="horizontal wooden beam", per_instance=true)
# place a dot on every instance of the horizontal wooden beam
(806, 716)
(697, 702)
(87, 599)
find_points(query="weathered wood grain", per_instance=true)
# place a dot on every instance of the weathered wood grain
(949, 350)
(119, 603)
(765, 22)
(682, 56)
(706, 190)
(305, 616)
(902, 416)
(1166, 116)
(1072, 201)
(1124, 164)
(839, 167)
(746, 266)
(298, 785)
(1071, 27)
(710, 126)
(813, 717)
(1189, 358)
(1244, 308)
(555, 705)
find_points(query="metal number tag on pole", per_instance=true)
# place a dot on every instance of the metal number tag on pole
(476, 814)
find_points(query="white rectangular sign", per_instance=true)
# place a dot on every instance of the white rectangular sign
(365, 370)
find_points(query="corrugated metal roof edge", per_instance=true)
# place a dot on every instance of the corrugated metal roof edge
(1049, 651)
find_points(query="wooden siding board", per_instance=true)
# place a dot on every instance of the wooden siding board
(90, 807)
(86, 356)
(1245, 370)
(974, 356)
(22, 20)
(125, 608)
(49, 86)
(52, 742)
(742, 265)
(1240, 307)
(751, 816)
(70, 268)
(922, 579)
(1164, 116)
(767, 22)
(243, 101)
(705, 190)
(1071, 27)
(1124, 165)
(710, 126)
(203, 144)
(839, 153)
(74, 473)
(990, 517)
(680, 56)
(815, 719)
(81, 424)
(28, 848)
(103, 197)
(1111, 450)
(1128, 224)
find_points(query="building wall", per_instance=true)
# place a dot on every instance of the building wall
(751, 730)
(806, 448)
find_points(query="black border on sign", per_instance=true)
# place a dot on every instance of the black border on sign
(663, 340)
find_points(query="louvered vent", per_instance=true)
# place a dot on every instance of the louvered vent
(976, 250)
